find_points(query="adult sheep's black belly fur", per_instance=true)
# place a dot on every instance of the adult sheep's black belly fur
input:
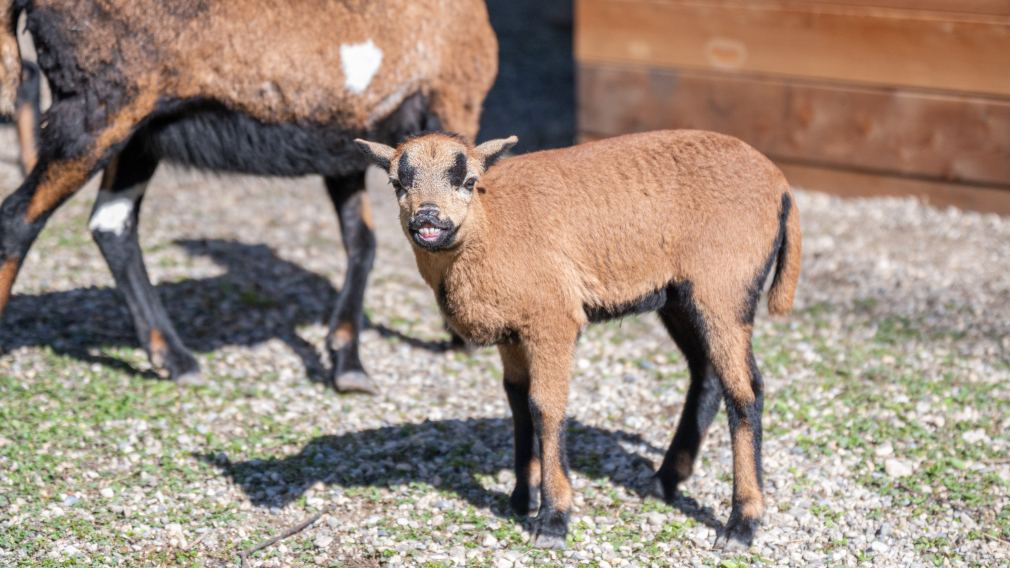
(209, 135)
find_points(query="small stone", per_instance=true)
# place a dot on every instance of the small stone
(107, 492)
(323, 541)
(656, 518)
(884, 450)
(974, 436)
(897, 468)
(489, 541)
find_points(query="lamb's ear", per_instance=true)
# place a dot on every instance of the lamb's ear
(380, 154)
(493, 150)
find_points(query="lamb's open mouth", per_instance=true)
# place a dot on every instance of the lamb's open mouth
(430, 233)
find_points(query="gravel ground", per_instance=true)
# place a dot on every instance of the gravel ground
(888, 394)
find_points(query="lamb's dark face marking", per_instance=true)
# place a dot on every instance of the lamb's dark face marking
(457, 173)
(405, 173)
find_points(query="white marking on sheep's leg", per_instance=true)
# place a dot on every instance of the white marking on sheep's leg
(360, 62)
(114, 210)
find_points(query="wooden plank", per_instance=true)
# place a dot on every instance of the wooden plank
(948, 138)
(937, 194)
(873, 46)
(848, 183)
(993, 7)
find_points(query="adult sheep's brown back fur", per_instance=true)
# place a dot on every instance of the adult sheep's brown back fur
(337, 63)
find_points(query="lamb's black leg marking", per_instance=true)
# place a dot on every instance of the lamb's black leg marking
(686, 327)
(114, 223)
(349, 198)
(526, 495)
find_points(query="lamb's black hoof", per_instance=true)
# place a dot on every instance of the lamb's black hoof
(550, 529)
(524, 500)
(355, 381)
(738, 536)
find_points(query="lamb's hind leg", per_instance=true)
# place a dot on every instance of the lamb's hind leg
(731, 356)
(684, 323)
(351, 201)
(113, 225)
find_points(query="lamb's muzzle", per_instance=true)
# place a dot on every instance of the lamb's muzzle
(430, 231)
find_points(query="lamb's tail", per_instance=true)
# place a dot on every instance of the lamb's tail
(10, 55)
(787, 266)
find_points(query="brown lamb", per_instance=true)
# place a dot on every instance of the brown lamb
(254, 86)
(525, 254)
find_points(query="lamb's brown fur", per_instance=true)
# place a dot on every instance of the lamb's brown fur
(549, 238)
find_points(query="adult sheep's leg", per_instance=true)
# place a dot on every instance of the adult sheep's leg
(69, 155)
(704, 394)
(730, 353)
(27, 116)
(516, 379)
(113, 225)
(550, 368)
(351, 201)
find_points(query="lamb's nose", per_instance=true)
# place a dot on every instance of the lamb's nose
(427, 209)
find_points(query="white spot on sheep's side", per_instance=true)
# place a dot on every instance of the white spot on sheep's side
(360, 62)
(112, 216)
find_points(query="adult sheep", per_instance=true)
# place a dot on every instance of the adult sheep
(246, 86)
(525, 254)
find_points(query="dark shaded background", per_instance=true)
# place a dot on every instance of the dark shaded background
(534, 95)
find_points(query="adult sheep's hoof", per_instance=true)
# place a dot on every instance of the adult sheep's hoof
(663, 489)
(737, 537)
(355, 382)
(174, 364)
(549, 542)
(550, 529)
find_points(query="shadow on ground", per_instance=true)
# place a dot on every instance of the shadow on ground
(447, 454)
(260, 297)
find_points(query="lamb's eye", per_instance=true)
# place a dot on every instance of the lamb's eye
(468, 184)
(396, 185)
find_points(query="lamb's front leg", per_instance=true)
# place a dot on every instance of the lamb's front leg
(516, 379)
(550, 369)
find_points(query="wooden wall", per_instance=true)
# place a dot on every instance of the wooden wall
(857, 97)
